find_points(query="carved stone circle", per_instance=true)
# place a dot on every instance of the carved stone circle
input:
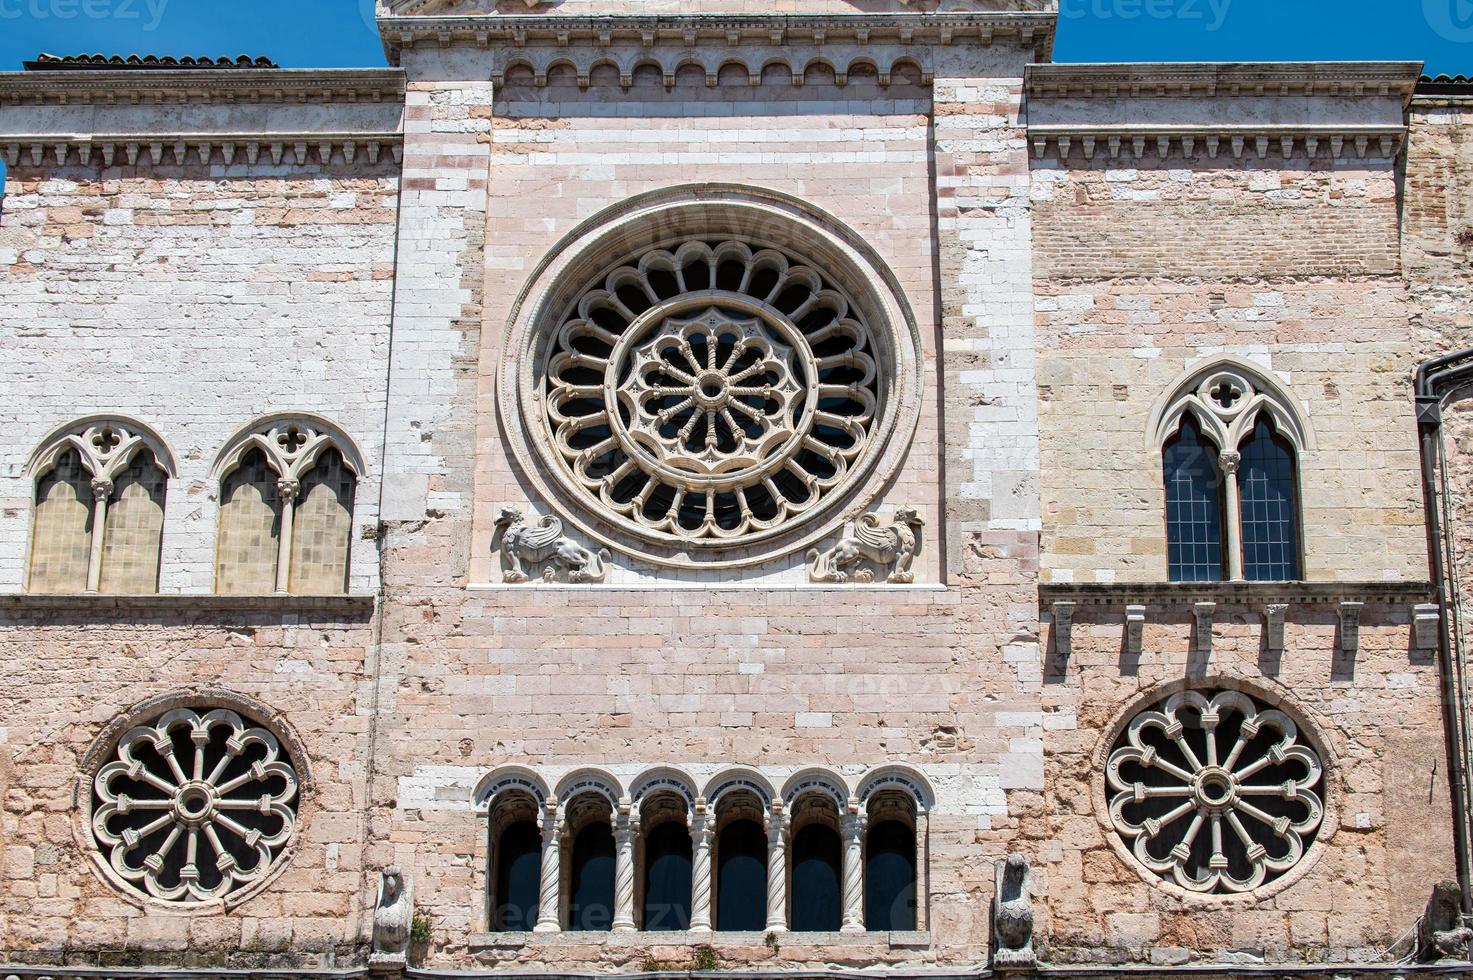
(711, 385)
(1214, 791)
(194, 806)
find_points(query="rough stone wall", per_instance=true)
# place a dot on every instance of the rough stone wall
(1376, 714)
(196, 299)
(1111, 344)
(80, 669)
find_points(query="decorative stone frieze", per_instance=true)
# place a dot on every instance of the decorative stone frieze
(795, 40)
(525, 544)
(1214, 791)
(186, 149)
(1289, 111)
(891, 547)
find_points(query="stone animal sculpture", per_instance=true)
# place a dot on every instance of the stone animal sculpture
(891, 546)
(1441, 934)
(1012, 914)
(525, 545)
(393, 919)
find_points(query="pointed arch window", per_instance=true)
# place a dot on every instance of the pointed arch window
(1230, 439)
(98, 519)
(287, 488)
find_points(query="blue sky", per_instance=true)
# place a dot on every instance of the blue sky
(306, 33)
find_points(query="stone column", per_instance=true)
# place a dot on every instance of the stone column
(777, 870)
(626, 829)
(854, 822)
(700, 880)
(1228, 463)
(287, 489)
(102, 491)
(549, 897)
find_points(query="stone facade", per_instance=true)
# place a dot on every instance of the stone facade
(365, 263)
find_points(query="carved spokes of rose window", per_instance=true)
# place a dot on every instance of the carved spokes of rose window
(711, 392)
(194, 806)
(1216, 793)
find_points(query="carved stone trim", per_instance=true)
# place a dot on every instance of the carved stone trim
(723, 36)
(1250, 594)
(1012, 915)
(201, 149)
(1140, 142)
(271, 86)
(1186, 80)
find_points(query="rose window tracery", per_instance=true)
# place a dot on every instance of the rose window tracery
(194, 806)
(711, 392)
(1215, 792)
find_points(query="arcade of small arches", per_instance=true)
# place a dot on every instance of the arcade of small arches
(735, 855)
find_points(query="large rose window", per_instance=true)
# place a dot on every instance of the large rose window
(713, 391)
(1215, 792)
(194, 806)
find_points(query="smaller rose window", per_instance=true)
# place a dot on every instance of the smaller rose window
(1215, 792)
(194, 806)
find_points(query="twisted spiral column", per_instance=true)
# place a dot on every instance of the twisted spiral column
(700, 901)
(777, 867)
(548, 895)
(624, 834)
(854, 823)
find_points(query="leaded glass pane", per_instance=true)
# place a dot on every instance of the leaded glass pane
(1267, 484)
(1193, 507)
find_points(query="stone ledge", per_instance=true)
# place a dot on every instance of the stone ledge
(1234, 593)
(531, 940)
(250, 86)
(327, 605)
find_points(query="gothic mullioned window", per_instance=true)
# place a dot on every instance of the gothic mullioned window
(286, 509)
(99, 508)
(1214, 791)
(194, 804)
(1230, 441)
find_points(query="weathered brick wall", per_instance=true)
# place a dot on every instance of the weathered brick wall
(197, 299)
(1111, 344)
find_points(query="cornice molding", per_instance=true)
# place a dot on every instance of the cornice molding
(1357, 79)
(199, 148)
(1185, 594)
(104, 607)
(1030, 27)
(251, 86)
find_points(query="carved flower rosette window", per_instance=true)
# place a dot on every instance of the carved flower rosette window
(712, 392)
(709, 378)
(194, 805)
(1215, 792)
